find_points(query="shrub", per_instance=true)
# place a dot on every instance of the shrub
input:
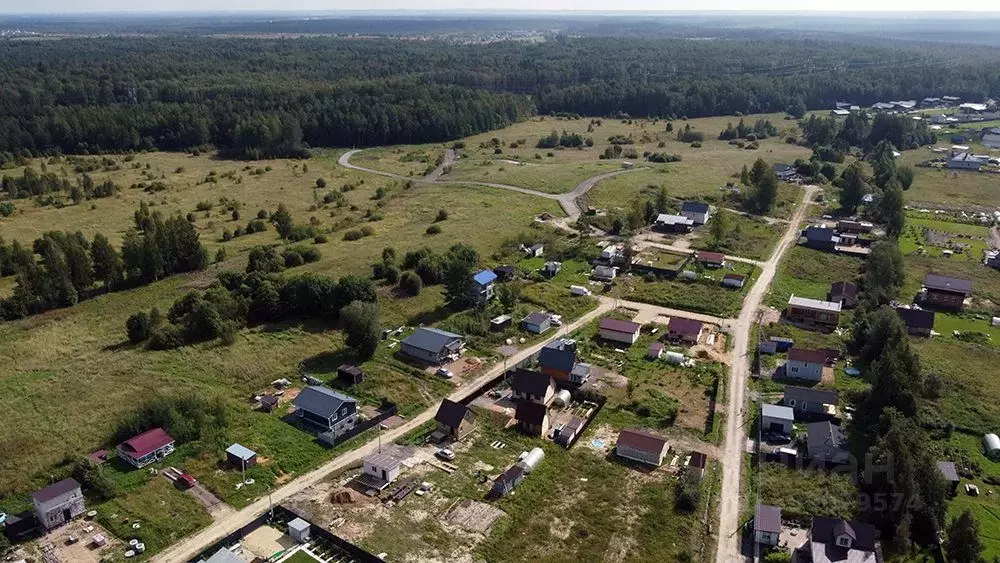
(353, 235)
(433, 230)
(191, 218)
(410, 283)
(220, 256)
(441, 216)
(265, 260)
(255, 226)
(320, 239)
(292, 258)
(204, 206)
(321, 183)
(227, 235)
(138, 327)
(236, 214)
(391, 274)
(367, 230)
(262, 214)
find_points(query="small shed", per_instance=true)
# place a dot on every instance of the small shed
(537, 322)
(655, 351)
(298, 530)
(991, 445)
(268, 403)
(550, 269)
(351, 375)
(776, 418)
(767, 524)
(499, 324)
(240, 456)
(381, 469)
(950, 475)
(782, 343)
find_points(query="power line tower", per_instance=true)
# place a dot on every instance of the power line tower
(132, 92)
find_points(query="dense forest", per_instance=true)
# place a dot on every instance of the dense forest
(256, 98)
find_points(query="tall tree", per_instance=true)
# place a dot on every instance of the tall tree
(853, 188)
(767, 192)
(108, 265)
(282, 220)
(361, 327)
(890, 209)
(963, 544)
(883, 273)
(719, 228)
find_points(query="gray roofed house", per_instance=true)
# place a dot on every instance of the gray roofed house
(950, 475)
(833, 540)
(697, 211)
(224, 555)
(537, 322)
(767, 524)
(381, 469)
(604, 273)
(58, 503)
(240, 456)
(820, 238)
(945, 291)
(827, 443)
(432, 345)
(808, 400)
(326, 409)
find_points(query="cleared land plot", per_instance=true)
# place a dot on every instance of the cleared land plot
(549, 177)
(966, 450)
(706, 295)
(801, 494)
(934, 236)
(748, 237)
(985, 280)
(950, 189)
(805, 272)
(969, 392)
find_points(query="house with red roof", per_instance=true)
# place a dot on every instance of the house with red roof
(710, 259)
(685, 331)
(805, 364)
(618, 330)
(149, 447)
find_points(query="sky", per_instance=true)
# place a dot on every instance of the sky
(842, 7)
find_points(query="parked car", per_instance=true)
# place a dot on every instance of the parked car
(3, 517)
(185, 481)
(446, 454)
(777, 438)
(445, 372)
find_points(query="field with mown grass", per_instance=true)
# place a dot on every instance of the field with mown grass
(748, 237)
(941, 188)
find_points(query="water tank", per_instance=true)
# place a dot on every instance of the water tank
(530, 461)
(991, 445)
(675, 357)
(562, 398)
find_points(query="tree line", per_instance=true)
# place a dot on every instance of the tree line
(69, 267)
(256, 98)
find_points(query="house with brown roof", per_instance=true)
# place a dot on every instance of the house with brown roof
(532, 386)
(641, 445)
(813, 313)
(58, 503)
(767, 524)
(532, 418)
(918, 321)
(686, 331)
(710, 259)
(149, 447)
(454, 420)
(833, 540)
(618, 330)
(805, 364)
(845, 293)
(945, 292)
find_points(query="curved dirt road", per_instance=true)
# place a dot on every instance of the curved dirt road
(566, 200)
(727, 550)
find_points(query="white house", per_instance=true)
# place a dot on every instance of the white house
(642, 446)
(805, 364)
(966, 161)
(382, 468)
(777, 419)
(617, 330)
(696, 211)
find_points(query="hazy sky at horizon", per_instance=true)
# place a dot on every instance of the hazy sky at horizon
(842, 7)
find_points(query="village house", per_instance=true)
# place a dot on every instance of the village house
(565, 434)
(827, 443)
(767, 524)
(809, 402)
(735, 281)
(668, 223)
(820, 238)
(776, 419)
(532, 386)
(813, 312)
(833, 540)
(432, 345)
(557, 358)
(845, 293)
(537, 322)
(58, 503)
(329, 411)
(710, 259)
(697, 211)
(918, 321)
(686, 331)
(805, 364)
(945, 292)
(380, 470)
(784, 172)
(482, 287)
(454, 421)
(149, 447)
(532, 418)
(604, 273)
(641, 445)
(616, 330)
(966, 161)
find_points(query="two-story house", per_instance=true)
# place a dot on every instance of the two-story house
(805, 364)
(532, 386)
(58, 503)
(330, 412)
(481, 288)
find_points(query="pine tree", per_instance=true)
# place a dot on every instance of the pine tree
(745, 176)
(962, 543)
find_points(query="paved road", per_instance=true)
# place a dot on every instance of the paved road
(566, 200)
(195, 544)
(727, 549)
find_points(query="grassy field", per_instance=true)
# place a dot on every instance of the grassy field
(549, 177)
(808, 273)
(405, 160)
(970, 393)
(949, 189)
(749, 237)
(929, 234)
(985, 281)
(707, 295)
(801, 494)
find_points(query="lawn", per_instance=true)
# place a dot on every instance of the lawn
(808, 273)
(706, 295)
(748, 237)
(985, 280)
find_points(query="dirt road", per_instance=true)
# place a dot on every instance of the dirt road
(191, 546)
(566, 200)
(649, 241)
(727, 549)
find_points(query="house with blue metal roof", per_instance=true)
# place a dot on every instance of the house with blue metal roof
(482, 286)
(329, 411)
(820, 238)
(432, 345)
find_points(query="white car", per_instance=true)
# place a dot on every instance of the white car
(3, 517)
(446, 454)
(445, 372)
